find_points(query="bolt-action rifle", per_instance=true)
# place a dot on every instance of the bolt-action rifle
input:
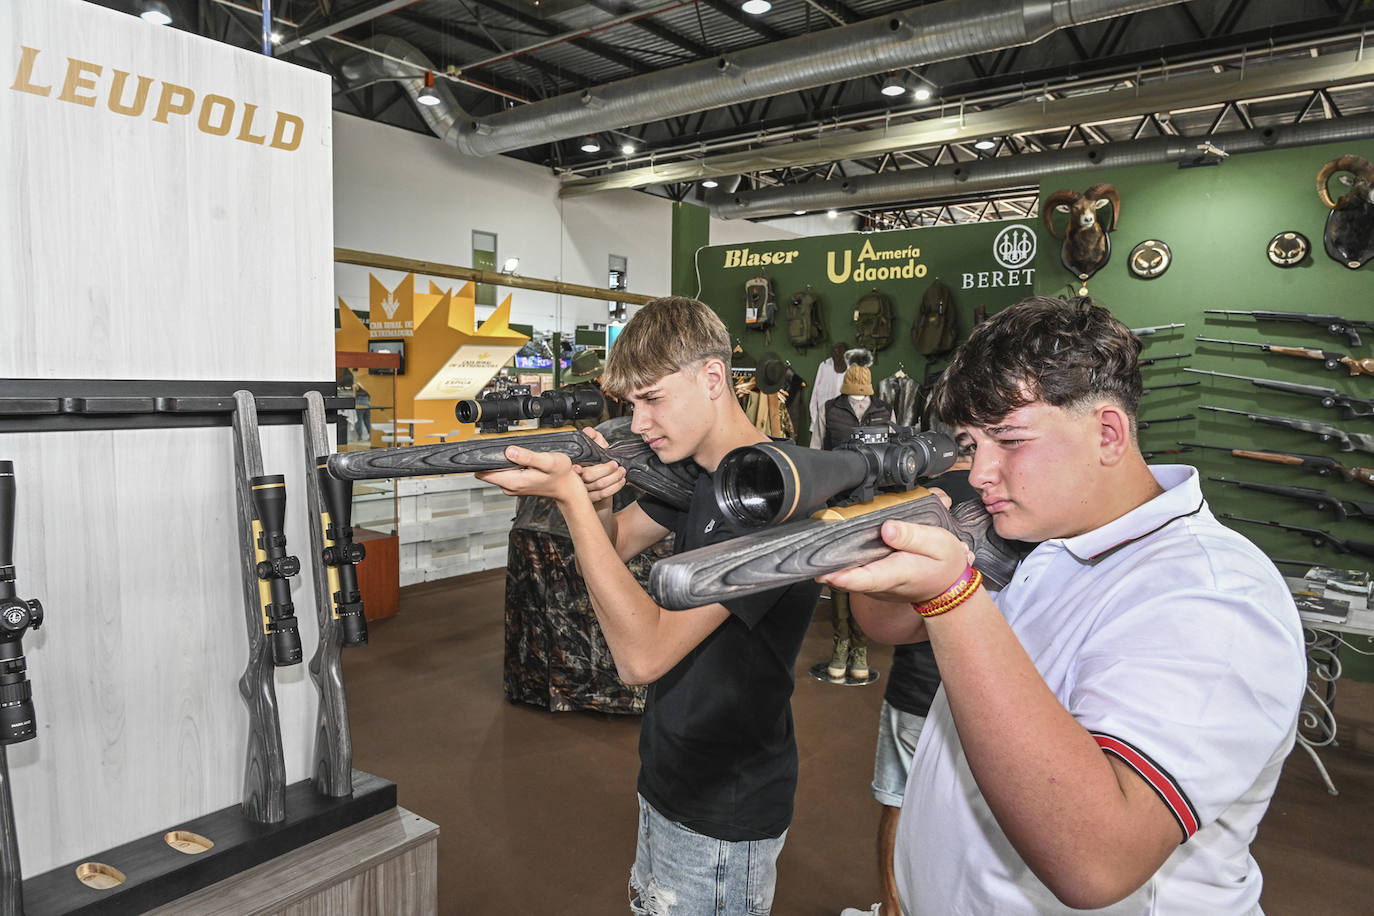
(1334, 324)
(1155, 329)
(1318, 537)
(1148, 388)
(1146, 424)
(1330, 360)
(1141, 364)
(1168, 451)
(773, 486)
(1350, 406)
(1320, 499)
(1347, 442)
(1317, 464)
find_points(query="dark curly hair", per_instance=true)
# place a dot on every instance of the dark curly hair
(1065, 352)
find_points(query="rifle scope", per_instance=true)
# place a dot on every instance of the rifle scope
(17, 720)
(341, 555)
(769, 483)
(552, 407)
(274, 567)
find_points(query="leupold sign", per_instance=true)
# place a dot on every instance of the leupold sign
(82, 82)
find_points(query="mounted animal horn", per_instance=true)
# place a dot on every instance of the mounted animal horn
(1106, 192)
(1063, 197)
(1355, 165)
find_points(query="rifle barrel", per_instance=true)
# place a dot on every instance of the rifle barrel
(1239, 343)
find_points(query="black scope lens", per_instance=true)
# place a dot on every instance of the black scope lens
(286, 644)
(354, 626)
(765, 484)
(485, 410)
(17, 720)
(574, 404)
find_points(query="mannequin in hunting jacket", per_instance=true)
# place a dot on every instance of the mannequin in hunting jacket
(856, 406)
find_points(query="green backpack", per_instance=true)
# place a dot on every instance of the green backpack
(804, 320)
(873, 315)
(936, 328)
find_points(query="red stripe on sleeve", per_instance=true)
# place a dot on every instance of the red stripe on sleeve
(1159, 780)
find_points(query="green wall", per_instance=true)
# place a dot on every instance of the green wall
(691, 230)
(1217, 221)
(837, 268)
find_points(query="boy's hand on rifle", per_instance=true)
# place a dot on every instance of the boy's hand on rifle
(602, 480)
(539, 474)
(925, 561)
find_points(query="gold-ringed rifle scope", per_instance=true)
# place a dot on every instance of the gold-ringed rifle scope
(274, 567)
(17, 615)
(772, 482)
(341, 555)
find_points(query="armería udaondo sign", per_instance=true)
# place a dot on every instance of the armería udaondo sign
(866, 265)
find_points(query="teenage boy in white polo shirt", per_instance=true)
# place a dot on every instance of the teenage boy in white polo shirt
(1110, 731)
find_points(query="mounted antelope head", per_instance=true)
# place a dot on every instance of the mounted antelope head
(1087, 244)
(1349, 234)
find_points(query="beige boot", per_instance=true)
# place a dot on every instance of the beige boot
(839, 658)
(858, 663)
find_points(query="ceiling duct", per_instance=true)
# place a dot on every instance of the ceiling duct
(401, 62)
(1023, 170)
(921, 35)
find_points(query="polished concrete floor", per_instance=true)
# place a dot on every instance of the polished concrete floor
(537, 810)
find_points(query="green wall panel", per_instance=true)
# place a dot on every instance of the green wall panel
(691, 231)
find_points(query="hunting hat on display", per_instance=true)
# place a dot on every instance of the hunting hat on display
(584, 366)
(770, 373)
(857, 378)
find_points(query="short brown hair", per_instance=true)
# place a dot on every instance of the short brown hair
(665, 336)
(1065, 352)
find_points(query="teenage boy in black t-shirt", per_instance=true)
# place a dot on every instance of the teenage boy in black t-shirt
(718, 755)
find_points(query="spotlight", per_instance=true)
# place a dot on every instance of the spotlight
(710, 183)
(832, 213)
(756, 7)
(893, 86)
(510, 265)
(798, 212)
(591, 145)
(922, 93)
(427, 95)
(985, 143)
(156, 12)
(627, 149)
(276, 38)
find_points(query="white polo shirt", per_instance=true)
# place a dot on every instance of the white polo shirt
(1175, 642)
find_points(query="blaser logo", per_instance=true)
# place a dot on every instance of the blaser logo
(216, 117)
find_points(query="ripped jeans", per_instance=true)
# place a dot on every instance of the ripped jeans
(679, 872)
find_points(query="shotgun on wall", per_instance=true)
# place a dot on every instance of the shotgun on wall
(1320, 465)
(1333, 324)
(1316, 536)
(1350, 406)
(773, 486)
(1330, 360)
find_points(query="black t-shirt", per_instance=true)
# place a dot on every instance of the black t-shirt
(914, 678)
(717, 748)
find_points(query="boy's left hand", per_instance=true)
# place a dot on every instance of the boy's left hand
(548, 474)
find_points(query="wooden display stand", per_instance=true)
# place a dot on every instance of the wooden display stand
(379, 574)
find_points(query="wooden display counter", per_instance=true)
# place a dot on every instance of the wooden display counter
(379, 575)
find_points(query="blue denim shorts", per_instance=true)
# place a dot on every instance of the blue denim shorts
(679, 872)
(898, 733)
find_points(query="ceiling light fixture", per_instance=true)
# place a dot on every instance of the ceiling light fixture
(627, 149)
(985, 143)
(832, 213)
(427, 95)
(798, 212)
(710, 183)
(756, 7)
(156, 12)
(510, 265)
(922, 93)
(591, 144)
(893, 86)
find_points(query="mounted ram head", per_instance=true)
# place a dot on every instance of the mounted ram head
(1087, 243)
(1349, 234)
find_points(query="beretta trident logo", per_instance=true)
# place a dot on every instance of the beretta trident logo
(1014, 250)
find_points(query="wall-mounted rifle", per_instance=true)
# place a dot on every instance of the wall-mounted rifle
(774, 486)
(1148, 388)
(1141, 364)
(1146, 424)
(1318, 464)
(1329, 359)
(1320, 499)
(1333, 324)
(1317, 536)
(1155, 329)
(17, 719)
(1350, 406)
(1347, 442)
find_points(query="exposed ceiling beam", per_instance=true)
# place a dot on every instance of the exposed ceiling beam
(354, 16)
(1182, 92)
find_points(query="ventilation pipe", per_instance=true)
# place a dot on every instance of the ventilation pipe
(401, 62)
(913, 37)
(1021, 170)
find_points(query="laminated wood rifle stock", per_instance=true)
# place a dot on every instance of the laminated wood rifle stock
(831, 540)
(671, 483)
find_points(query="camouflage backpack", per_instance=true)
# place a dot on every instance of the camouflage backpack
(936, 328)
(873, 316)
(804, 319)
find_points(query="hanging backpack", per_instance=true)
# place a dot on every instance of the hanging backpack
(873, 315)
(760, 305)
(936, 328)
(804, 320)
